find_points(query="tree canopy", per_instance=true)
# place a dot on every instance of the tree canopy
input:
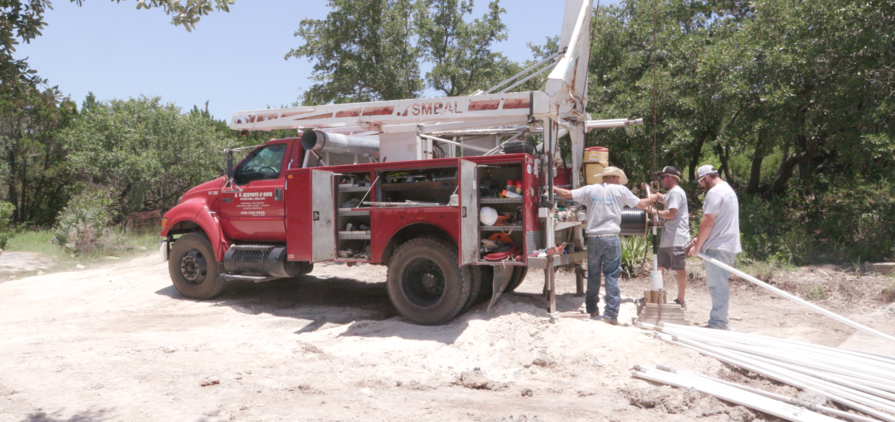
(373, 50)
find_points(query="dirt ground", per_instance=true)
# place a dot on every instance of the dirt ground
(117, 343)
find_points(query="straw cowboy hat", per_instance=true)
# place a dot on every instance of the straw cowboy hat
(615, 171)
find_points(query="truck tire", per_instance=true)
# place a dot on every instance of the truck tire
(486, 272)
(516, 279)
(193, 268)
(425, 283)
(475, 284)
(474, 275)
(306, 268)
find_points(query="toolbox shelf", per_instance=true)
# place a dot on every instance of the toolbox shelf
(500, 228)
(392, 187)
(354, 236)
(343, 188)
(500, 200)
(350, 212)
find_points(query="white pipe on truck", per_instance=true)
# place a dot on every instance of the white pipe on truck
(608, 123)
(319, 141)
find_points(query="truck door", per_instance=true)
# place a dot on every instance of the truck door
(323, 213)
(253, 210)
(469, 214)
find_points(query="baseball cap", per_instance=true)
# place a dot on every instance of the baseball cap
(704, 171)
(670, 170)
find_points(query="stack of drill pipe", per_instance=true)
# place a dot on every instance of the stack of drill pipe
(861, 381)
(767, 402)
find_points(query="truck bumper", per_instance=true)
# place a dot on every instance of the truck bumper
(163, 249)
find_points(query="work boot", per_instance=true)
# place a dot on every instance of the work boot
(610, 321)
(715, 328)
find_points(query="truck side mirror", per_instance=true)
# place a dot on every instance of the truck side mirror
(231, 172)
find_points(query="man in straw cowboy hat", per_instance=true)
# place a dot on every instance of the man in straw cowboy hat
(675, 229)
(604, 204)
(719, 238)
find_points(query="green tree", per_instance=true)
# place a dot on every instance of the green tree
(147, 152)
(373, 50)
(362, 51)
(33, 170)
(460, 51)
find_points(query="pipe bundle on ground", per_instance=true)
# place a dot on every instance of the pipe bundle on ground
(860, 381)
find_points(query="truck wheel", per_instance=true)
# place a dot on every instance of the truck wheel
(193, 268)
(306, 268)
(516, 279)
(475, 284)
(486, 272)
(425, 283)
(473, 273)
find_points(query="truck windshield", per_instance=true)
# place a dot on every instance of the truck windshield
(263, 163)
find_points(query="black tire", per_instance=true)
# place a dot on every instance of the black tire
(193, 268)
(306, 268)
(486, 273)
(475, 284)
(425, 283)
(474, 275)
(516, 279)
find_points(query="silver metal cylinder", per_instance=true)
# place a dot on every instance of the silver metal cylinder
(318, 141)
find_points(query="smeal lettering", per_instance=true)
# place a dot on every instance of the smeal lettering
(434, 108)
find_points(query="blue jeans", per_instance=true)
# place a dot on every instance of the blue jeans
(604, 256)
(717, 280)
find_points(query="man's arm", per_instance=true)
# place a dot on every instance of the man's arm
(705, 228)
(646, 202)
(563, 193)
(667, 214)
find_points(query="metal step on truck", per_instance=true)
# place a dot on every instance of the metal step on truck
(450, 193)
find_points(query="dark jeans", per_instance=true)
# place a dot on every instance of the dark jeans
(604, 256)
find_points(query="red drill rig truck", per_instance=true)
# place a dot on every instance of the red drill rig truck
(446, 192)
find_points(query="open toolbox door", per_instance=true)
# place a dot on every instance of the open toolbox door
(469, 215)
(323, 216)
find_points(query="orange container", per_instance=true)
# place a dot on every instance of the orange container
(596, 155)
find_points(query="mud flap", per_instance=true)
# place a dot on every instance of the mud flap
(502, 276)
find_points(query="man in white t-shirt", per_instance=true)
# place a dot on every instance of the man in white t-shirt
(719, 238)
(604, 203)
(675, 230)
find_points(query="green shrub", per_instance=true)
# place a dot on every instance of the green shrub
(844, 224)
(816, 292)
(83, 225)
(888, 292)
(6, 210)
(634, 254)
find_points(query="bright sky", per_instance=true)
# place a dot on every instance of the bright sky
(233, 60)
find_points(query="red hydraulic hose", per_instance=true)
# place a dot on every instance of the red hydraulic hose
(512, 254)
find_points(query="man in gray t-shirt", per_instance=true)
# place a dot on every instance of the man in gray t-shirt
(719, 238)
(675, 230)
(604, 203)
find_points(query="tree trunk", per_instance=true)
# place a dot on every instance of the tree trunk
(723, 152)
(696, 154)
(757, 158)
(787, 166)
